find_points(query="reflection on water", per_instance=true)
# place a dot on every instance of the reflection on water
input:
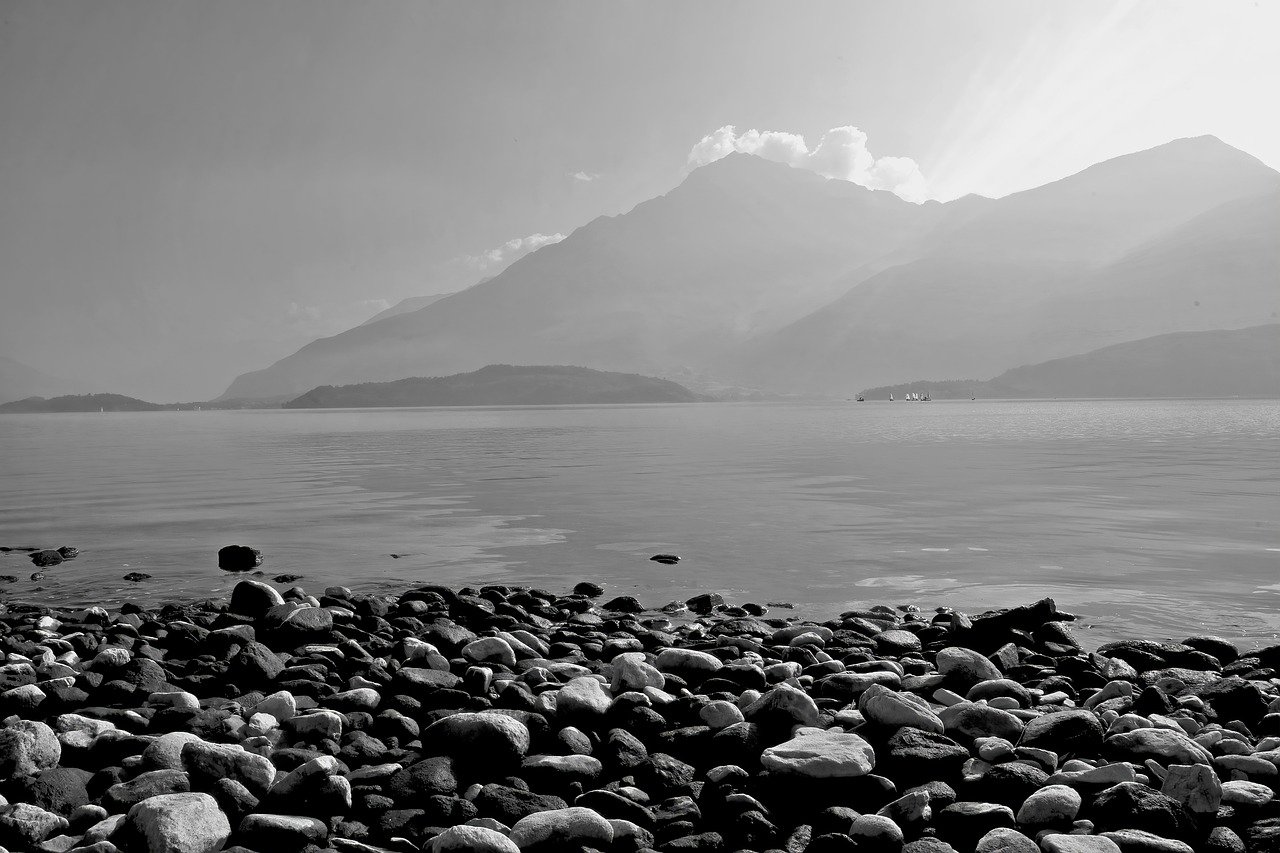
(1154, 518)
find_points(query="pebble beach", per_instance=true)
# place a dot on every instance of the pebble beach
(506, 719)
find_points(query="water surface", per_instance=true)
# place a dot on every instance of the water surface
(1149, 518)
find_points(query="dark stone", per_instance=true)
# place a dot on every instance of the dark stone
(1010, 783)
(623, 604)
(507, 804)
(705, 603)
(1131, 805)
(1072, 732)
(255, 665)
(1233, 698)
(430, 776)
(58, 789)
(47, 558)
(963, 823)
(915, 755)
(238, 558)
(69, 552)
(665, 559)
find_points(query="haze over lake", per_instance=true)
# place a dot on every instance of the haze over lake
(1151, 518)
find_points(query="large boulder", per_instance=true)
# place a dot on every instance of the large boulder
(180, 823)
(254, 598)
(1073, 732)
(490, 738)
(238, 558)
(561, 829)
(27, 747)
(821, 755)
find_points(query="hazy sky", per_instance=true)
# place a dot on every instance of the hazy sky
(189, 190)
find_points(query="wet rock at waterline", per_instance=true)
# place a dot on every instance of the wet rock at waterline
(238, 558)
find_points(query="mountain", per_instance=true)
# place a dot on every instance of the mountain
(406, 306)
(1081, 263)
(1220, 363)
(740, 246)
(18, 380)
(500, 385)
(756, 275)
(81, 403)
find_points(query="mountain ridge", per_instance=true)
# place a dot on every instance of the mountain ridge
(1203, 364)
(765, 276)
(501, 385)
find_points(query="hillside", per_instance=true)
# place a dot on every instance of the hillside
(80, 403)
(406, 306)
(742, 245)
(756, 275)
(18, 380)
(1223, 363)
(500, 385)
(995, 292)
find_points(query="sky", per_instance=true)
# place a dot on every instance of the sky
(190, 190)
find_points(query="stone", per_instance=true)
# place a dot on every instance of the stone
(180, 823)
(893, 710)
(254, 598)
(784, 706)
(876, 831)
(1051, 806)
(165, 752)
(27, 747)
(485, 737)
(584, 697)
(124, 795)
(1005, 840)
(238, 558)
(1131, 805)
(1240, 793)
(472, 839)
(974, 720)
(46, 558)
(688, 663)
(558, 829)
(1138, 841)
(422, 779)
(720, 714)
(209, 762)
(965, 666)
(1070, 732)
(1078, 844)
(28, 825)
(1165, 746)
(280, 831)
(489, 650)
(1195, 786)
(821, 755)
(632, 672)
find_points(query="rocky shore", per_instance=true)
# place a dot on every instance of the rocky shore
(508, 719)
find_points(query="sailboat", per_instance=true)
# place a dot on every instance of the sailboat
(890, 398)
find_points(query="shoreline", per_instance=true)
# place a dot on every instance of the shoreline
(508, 719)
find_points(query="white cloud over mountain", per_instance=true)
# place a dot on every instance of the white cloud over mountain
(841, 153)
(495, 260)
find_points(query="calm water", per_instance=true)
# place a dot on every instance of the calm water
(1147, 518)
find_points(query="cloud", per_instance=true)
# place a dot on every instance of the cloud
(496, 260)
(585, 177)
(841, 153)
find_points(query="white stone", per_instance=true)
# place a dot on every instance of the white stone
(821, 755)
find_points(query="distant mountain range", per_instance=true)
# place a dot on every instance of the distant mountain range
(501, 385)
(18, 380)
(1235, 363)
(81, 403)
(756, 275)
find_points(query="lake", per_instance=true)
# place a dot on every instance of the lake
(1147, 518)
